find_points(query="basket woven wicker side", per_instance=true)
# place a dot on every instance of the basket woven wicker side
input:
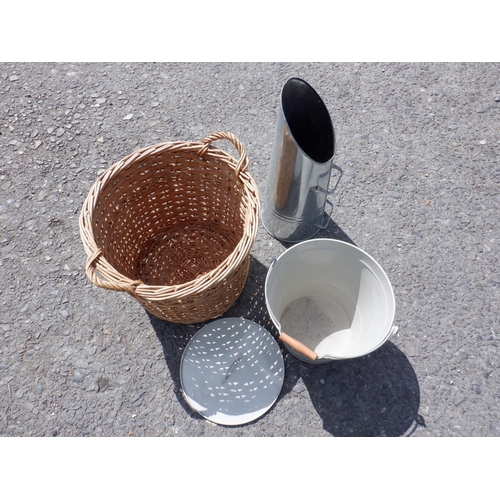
(173, 225)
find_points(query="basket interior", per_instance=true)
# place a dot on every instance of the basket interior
(168, 218)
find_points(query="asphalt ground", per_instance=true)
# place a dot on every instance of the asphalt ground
(418, 145)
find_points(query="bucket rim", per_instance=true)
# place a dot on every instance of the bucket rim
(372, 260)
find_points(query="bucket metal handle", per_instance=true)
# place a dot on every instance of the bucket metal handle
(392, 332)
(331, 191)
(326, 216)
(325, 220)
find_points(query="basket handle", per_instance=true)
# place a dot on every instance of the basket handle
(117, 286)
(242, 164)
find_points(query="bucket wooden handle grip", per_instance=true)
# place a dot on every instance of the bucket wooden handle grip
(298, 346)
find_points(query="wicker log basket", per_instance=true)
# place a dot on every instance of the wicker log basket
(173, 225)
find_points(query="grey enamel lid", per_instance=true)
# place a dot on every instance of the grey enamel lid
(232, 371)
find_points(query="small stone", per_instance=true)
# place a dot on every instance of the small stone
(253, 112)
(100, 139)
(13, 78)
(280, 422)
(482, 142)
(19, 394)
(322, 381)
(38, 144)
(101, 100)
(39, 389)
(60, 131)
(78, 377)
(102, 384)
(404, 213)
(128, 117)
(394, 195)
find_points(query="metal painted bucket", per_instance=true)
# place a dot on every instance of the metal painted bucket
(301, 165)
(332, 297)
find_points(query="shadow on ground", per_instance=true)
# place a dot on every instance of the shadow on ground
(332, 231)
(375, 395)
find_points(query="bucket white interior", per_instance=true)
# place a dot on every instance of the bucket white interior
(331, 296)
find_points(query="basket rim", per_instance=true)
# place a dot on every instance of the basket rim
(118, 281)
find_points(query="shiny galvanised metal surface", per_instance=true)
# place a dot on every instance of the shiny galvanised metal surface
(301, 165)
